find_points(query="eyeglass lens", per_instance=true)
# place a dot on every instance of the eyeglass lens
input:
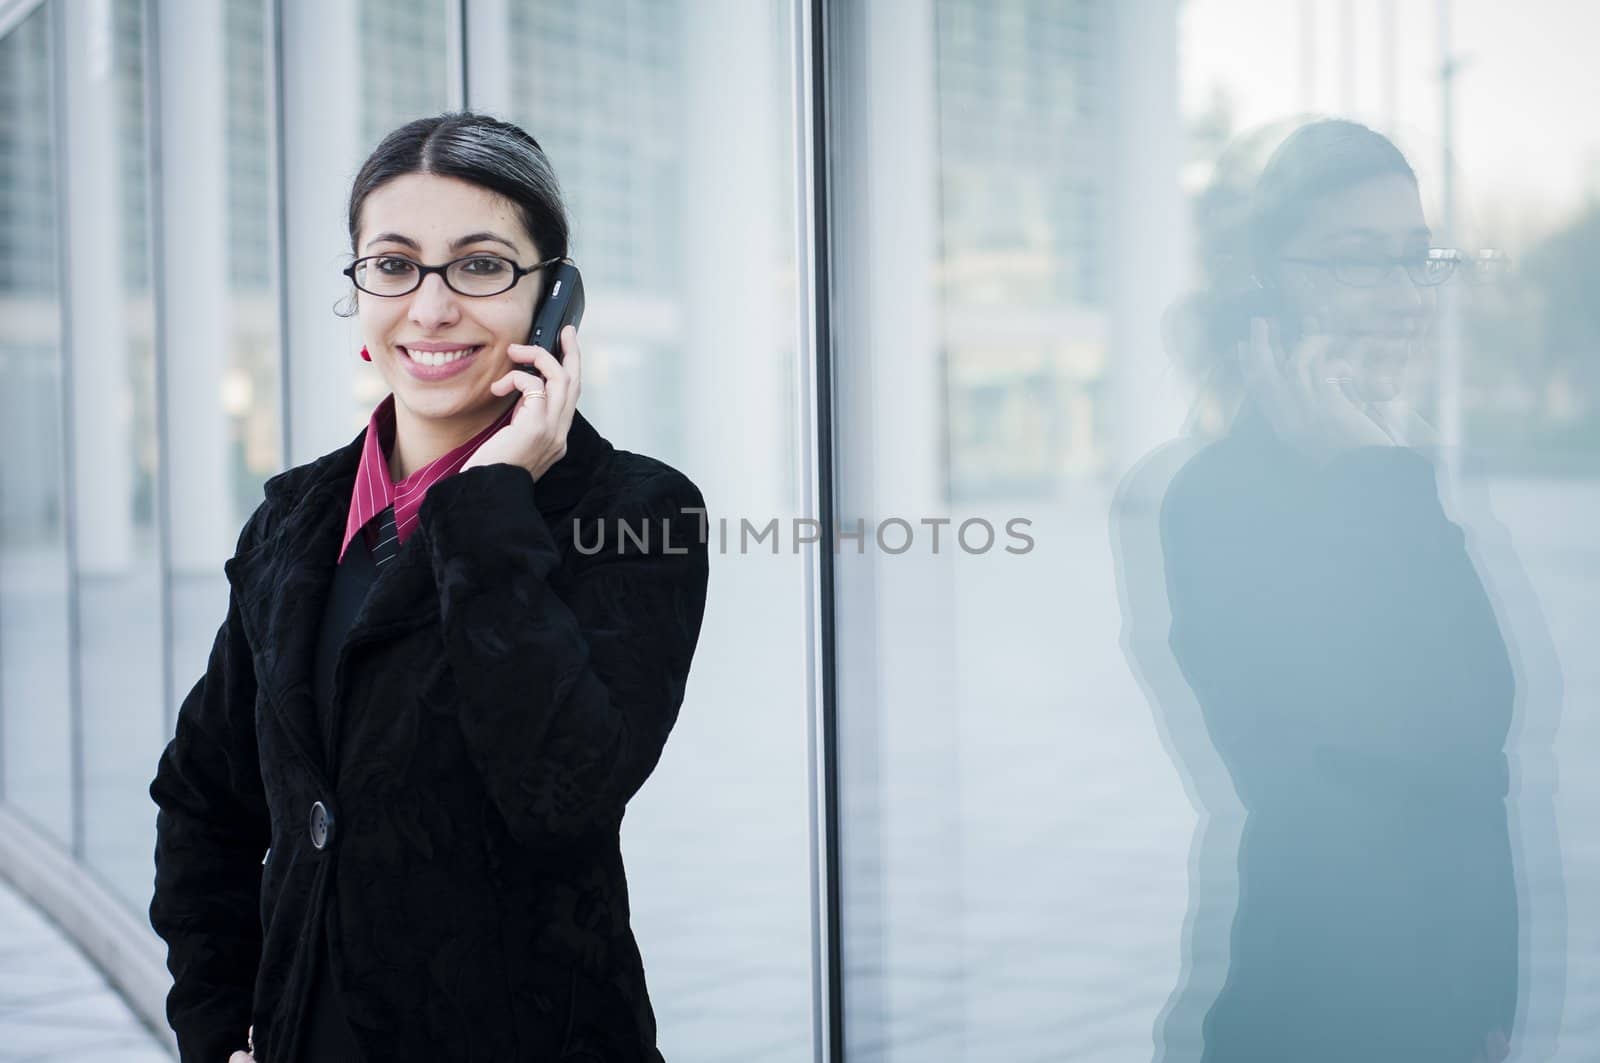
(394, 275)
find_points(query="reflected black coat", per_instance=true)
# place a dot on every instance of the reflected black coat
(1352, 674)
(501, 696)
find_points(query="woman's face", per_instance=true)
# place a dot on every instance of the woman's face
(431, 220)
(1378, 330)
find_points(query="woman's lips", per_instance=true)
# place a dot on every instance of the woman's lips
(423, 371)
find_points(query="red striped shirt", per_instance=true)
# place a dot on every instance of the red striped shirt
(374, 491)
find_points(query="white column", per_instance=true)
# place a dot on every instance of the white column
(738, 323)
(321, 152)
(489, 40)
(194, 281)
(101, 395)
(1148, 236)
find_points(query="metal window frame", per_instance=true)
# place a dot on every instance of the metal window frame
(279, 182)
(814, 194)
(69, 501)
(155, 210)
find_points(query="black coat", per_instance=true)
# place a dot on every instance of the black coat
(1350, 670)
(504, 691)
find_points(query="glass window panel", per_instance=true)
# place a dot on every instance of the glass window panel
(670, 127)
(220, 326)
(1234, 758)
(115, 446)
(35, 639)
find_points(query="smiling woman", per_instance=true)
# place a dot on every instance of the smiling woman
(425, 706)
(1327, 640)
(440, 334)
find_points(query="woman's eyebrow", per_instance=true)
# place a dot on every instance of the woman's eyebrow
(455, 245)
(478, 238)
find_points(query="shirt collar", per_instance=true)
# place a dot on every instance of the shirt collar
(374, 491)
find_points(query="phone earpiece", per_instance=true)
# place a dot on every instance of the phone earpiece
(561, 305)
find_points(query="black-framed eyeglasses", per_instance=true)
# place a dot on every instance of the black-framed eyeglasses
(1426, 269)
(474, 275)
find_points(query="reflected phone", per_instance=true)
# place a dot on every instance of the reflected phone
(1235, 313)
(560, 305)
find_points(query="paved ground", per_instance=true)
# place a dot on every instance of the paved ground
(54, 1006)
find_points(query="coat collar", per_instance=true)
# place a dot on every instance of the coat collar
(561, 485)
(282, 582)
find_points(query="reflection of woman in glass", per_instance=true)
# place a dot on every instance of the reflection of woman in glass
(1340, 644)
(426, 700)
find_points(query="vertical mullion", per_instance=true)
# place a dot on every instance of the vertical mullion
(12, 17)
(812, 62)
(155, 210)
(273, 12)
(69, 503)
(455, 38)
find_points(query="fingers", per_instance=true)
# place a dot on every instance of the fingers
(572, 365)
(532, 379)
(1256, 358)
(572, 359)
(1325, 362)
(551, 397)
(556, 380)
(564, 378)
(537, 358)
(1264, 372)
(1307, 364)
(519, 380)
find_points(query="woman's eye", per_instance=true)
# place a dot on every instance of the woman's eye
(484, 267)
(391, 266)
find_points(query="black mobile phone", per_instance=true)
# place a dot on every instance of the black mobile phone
(560, 306)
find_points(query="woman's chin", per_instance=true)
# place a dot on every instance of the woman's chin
(436, 401)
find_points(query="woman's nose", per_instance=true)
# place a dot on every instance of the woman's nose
(433, 303)
(1400, 294)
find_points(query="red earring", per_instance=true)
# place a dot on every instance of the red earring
(365, 357)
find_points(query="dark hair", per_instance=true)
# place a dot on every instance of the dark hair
(1242, 223)
(488, 152)
(1315, 161)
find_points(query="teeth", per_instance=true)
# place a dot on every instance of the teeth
(439, 357)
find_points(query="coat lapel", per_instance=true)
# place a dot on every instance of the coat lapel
(282, 585)
(282, 582)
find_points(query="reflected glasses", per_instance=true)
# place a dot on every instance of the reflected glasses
(475, 275)
(1426, 269)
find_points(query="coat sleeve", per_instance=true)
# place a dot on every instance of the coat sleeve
(565, 700)
(212, 831)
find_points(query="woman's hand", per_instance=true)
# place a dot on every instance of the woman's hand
(1411, 427)
(536, 438)
(1308, 395)
(242, 1056)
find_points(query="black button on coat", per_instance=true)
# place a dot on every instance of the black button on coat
(506, 687)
